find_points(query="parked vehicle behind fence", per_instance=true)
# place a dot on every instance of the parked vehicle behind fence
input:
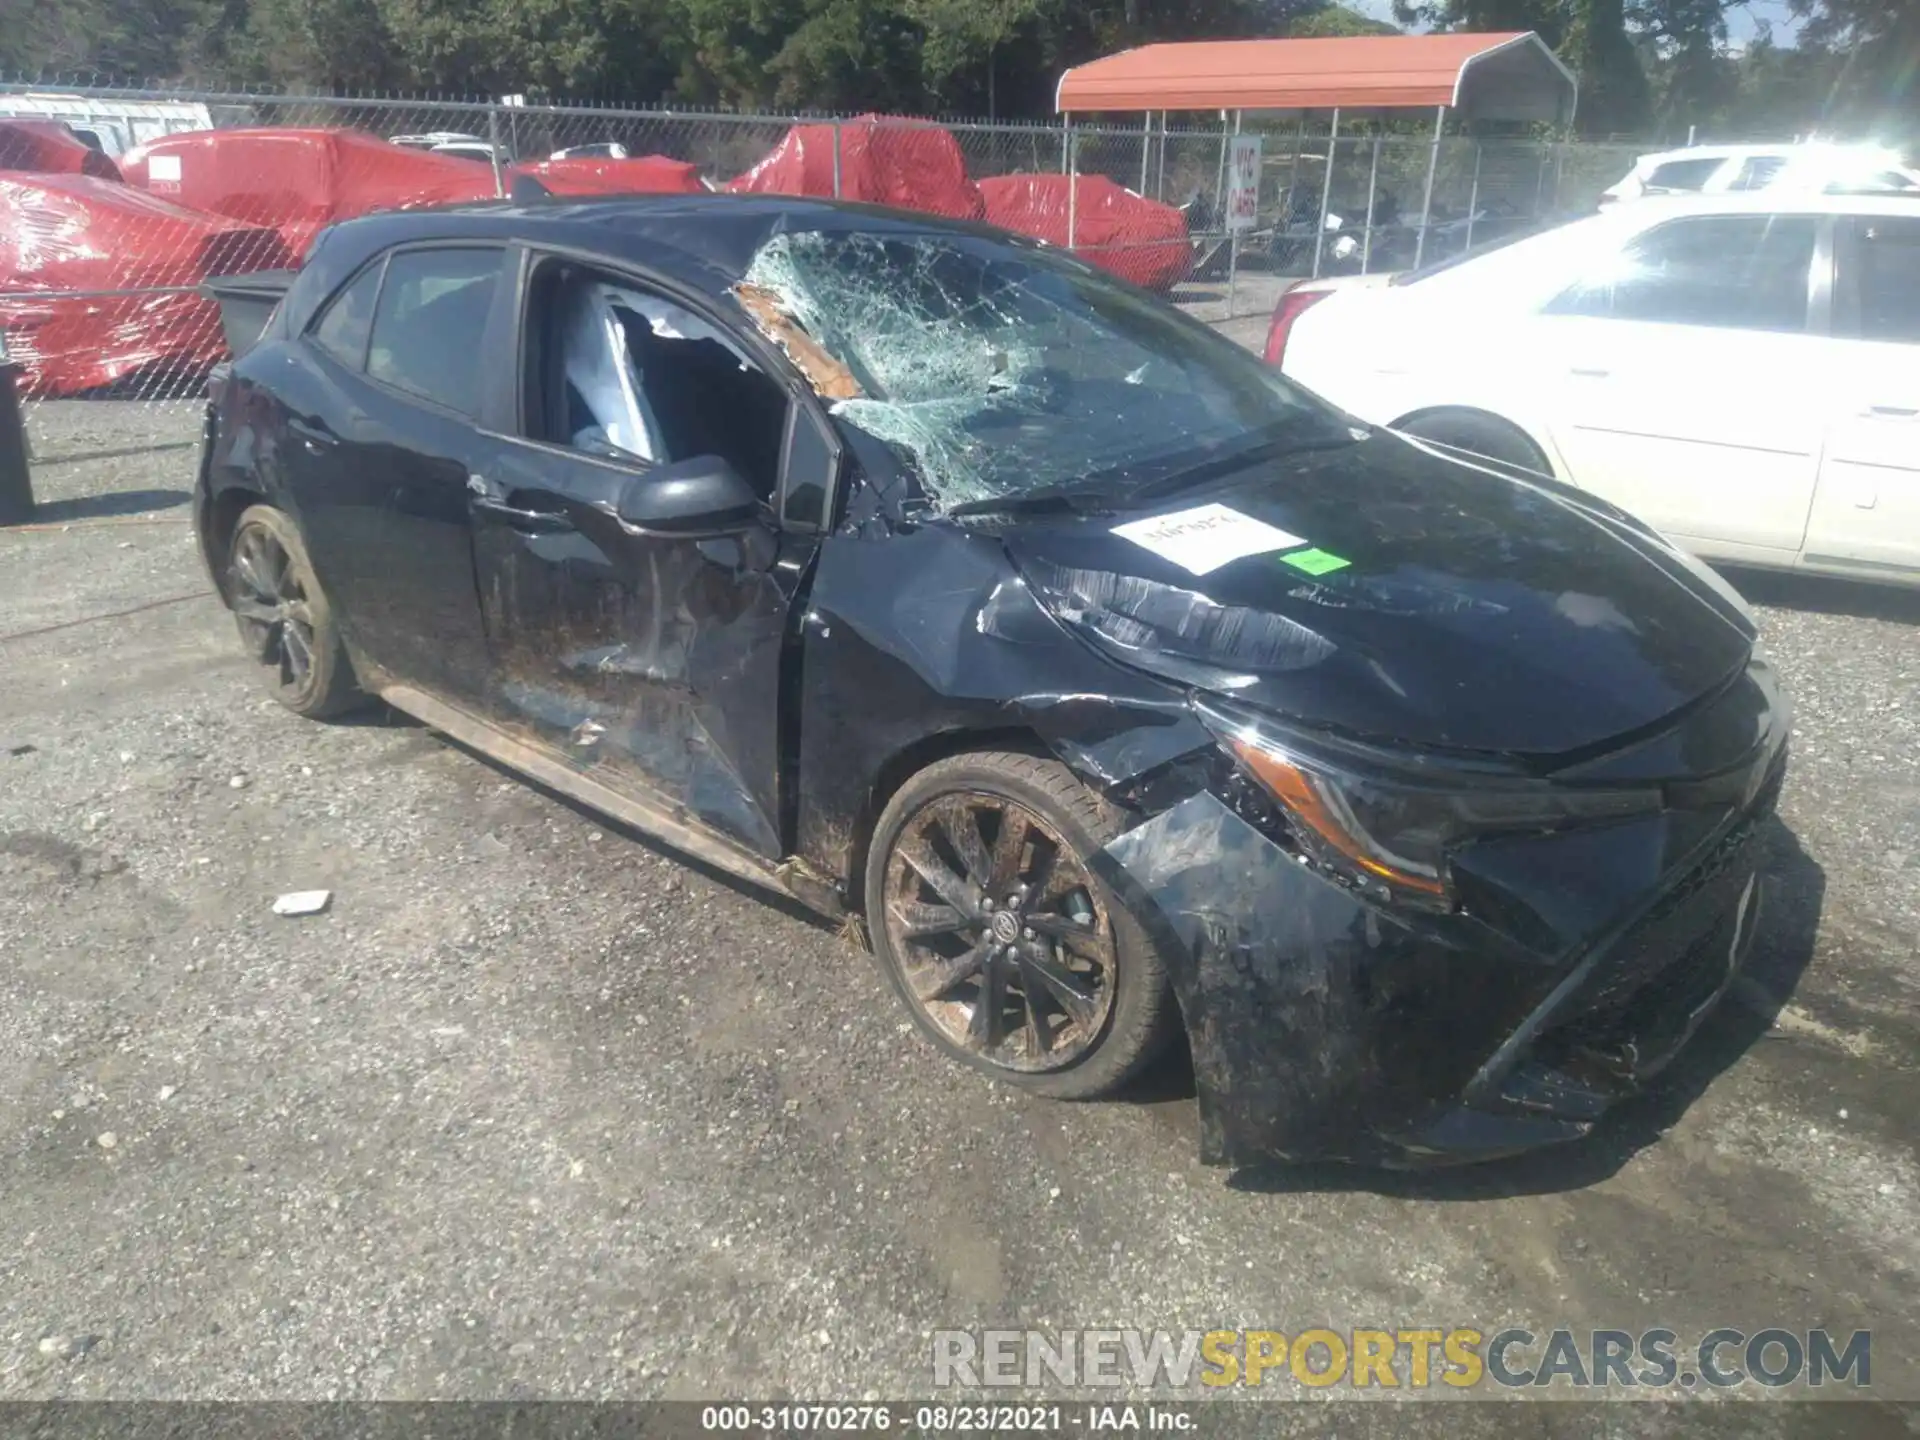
(110, 125)
(1732, 169)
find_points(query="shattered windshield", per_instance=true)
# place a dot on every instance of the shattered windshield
(1002, 371)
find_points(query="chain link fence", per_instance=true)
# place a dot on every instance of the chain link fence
(101, 309)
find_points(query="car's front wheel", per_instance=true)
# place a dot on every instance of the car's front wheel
(1007, 949)
(285, 618)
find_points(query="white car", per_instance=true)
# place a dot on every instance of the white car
(456, 143)
(1743, 373)
(600, 150)
(1720, 169)
(113, 127)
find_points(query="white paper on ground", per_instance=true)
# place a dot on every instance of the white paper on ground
(1206, 537)
(303, 902)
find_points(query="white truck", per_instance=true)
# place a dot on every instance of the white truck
(111, 126)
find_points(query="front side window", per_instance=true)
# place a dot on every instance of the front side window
(430, 326)
(630, 375)
(1759, 171)
(997, 370)
(1740, 272)
(1880, 279)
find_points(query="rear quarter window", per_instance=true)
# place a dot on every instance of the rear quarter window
(1682, 174)
(345, 325)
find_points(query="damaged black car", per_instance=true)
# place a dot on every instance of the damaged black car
(1122, 687)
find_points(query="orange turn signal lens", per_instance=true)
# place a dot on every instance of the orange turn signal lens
(1302, 794)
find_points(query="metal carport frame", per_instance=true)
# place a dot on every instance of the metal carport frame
(1505, 76)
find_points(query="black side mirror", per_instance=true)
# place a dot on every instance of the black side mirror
(702, 495)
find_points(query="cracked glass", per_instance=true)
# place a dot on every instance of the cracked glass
(1002, 370)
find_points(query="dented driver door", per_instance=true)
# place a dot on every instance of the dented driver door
(649, 659)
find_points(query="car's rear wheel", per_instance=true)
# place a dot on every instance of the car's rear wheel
(1007, 949)
(285, 618)
(1478, 434)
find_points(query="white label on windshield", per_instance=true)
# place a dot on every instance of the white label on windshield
(1206, 537)
(164, 168)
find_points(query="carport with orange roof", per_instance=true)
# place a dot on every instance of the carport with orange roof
(1511, 76)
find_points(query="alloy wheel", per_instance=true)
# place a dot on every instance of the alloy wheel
(271, 604)
(999, 932)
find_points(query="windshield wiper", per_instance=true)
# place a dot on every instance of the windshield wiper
(1082, 499)
(1221, 464)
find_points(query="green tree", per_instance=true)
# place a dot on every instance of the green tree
(964, 39)
(849, 55)
(331, 46)
(1589, 35)
(1613, 87)
(1690, 76)
(1336, 20)
(1874, 49)
(117, 39)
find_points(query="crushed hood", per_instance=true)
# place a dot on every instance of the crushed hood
(1384, 591)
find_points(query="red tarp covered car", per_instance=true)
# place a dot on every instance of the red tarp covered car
(1136, 238)
(637, 175)
(48, 147)
(93, 239)
(299, 181)
(883, 160)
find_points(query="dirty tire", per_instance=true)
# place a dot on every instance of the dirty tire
(1478, 434)
(285, 619)
(1106, 1007)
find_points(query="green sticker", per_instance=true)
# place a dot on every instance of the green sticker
(1315, 561)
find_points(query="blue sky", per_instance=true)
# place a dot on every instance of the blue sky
(1741, 19)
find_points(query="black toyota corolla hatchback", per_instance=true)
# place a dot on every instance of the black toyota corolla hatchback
(927, 574)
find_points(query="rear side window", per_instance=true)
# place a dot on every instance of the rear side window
(430, 324)
(1880, 279)
(1758, 172)
(1682, 174)
(1876, 180)
(1736, 272)
(347, 321)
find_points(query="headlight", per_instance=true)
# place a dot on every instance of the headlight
(1392, 835)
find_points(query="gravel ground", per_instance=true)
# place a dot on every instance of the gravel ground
(536, 1110)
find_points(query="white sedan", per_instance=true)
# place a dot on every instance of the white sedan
(1742, 371)
(1717, 169)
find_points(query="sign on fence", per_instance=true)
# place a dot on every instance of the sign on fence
(1243, 182)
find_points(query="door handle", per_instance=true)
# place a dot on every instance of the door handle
(485, 497)
(1893, 412)
(313, 434)
(1590, 372)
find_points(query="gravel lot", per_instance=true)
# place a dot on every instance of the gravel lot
(537, 1110)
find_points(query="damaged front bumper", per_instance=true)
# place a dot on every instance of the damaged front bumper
(1325, 1025)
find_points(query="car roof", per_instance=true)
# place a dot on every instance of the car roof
(1711, 152)
(706, 240)
(1809, 152)
(1621, 223)
(1810, 148)
(1772, 202)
